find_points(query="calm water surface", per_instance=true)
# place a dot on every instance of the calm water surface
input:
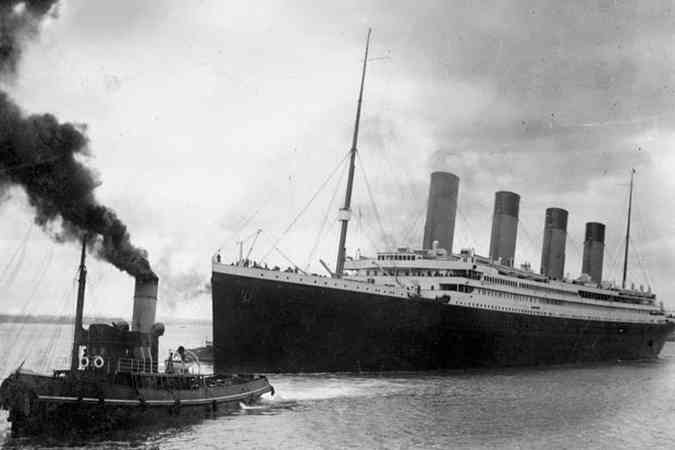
(624, 405)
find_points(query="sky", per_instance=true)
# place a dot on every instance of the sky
(210, 120)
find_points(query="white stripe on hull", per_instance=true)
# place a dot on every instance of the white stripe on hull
(581, 309)
(125, 402)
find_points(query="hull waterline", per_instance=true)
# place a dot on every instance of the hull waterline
(66, 405)
(275, 326)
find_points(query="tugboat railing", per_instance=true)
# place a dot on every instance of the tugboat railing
(132, 365)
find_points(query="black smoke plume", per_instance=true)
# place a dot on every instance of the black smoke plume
(44, 157)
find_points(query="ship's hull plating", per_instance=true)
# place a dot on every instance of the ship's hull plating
(270, 326)
(69, 406)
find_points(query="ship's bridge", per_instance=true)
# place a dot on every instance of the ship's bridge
(409, 262)
(407, 254)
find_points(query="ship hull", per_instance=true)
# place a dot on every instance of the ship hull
(66, 406)
(268, 326)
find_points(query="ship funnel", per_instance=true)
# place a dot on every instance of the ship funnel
(504, 227)
(594, 249)
(441, 210)
(553, 251)
(145, 304)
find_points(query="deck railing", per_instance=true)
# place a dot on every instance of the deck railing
(131, 365)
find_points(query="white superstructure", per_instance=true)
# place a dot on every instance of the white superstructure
(473, 281)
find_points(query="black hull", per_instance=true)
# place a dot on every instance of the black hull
(92, 405)
(271, 326)
(72, 420)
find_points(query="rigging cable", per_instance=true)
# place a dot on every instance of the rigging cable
(468, 227)
(37, 282)
(17, 265)
(406, 186)
(246, 220)
(367, 235)
(645, 273)
(289, 260)
(615, 265)
(50, 353)
(248, 238)
(528, 236)
(384, 238)
(576, 247)
(408, 232)
(243, 224)
(304, 209)
(641, 230)
(329, 208)
(20, 248)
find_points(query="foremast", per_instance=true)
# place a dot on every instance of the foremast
(345, 211)
(82, 281)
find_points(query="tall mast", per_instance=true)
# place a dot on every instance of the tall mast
(625, 254)
(75, 355)
(345, 211)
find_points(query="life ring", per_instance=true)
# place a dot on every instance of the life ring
(98, 361)
(84, 362)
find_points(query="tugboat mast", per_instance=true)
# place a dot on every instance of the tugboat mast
(345, 211)
(625, 254)
(75, 355)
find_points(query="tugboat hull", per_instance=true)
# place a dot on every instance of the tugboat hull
(62, 403)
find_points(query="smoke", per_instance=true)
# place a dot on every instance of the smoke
(19, 20)
(45, 158)
(181, 284)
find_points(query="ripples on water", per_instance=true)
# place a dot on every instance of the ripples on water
(598, 406)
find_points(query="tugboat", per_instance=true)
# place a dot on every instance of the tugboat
(114, 380)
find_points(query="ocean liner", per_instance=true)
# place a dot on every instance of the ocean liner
(430, 308)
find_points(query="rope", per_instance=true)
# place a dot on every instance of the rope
(641, 230)
(17, 264)
(241, 242)
(370, 240)
(27, 305)
(289, 260)
(302, 211)
(645, 273)
(372, 201)
(244, 224)
(579, 248)
(247, 220)
(21, 247)
(312, 253)
(407, 234)
(50, 355)
(533, 242)
(614, 267)
(468, 227)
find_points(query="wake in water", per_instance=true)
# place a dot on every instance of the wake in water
(301, 388)
(294, 391)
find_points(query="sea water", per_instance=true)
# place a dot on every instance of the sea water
(619, 405)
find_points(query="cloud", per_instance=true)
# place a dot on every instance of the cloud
(212, 121)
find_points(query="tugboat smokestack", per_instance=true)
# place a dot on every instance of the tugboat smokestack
(145, 304)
